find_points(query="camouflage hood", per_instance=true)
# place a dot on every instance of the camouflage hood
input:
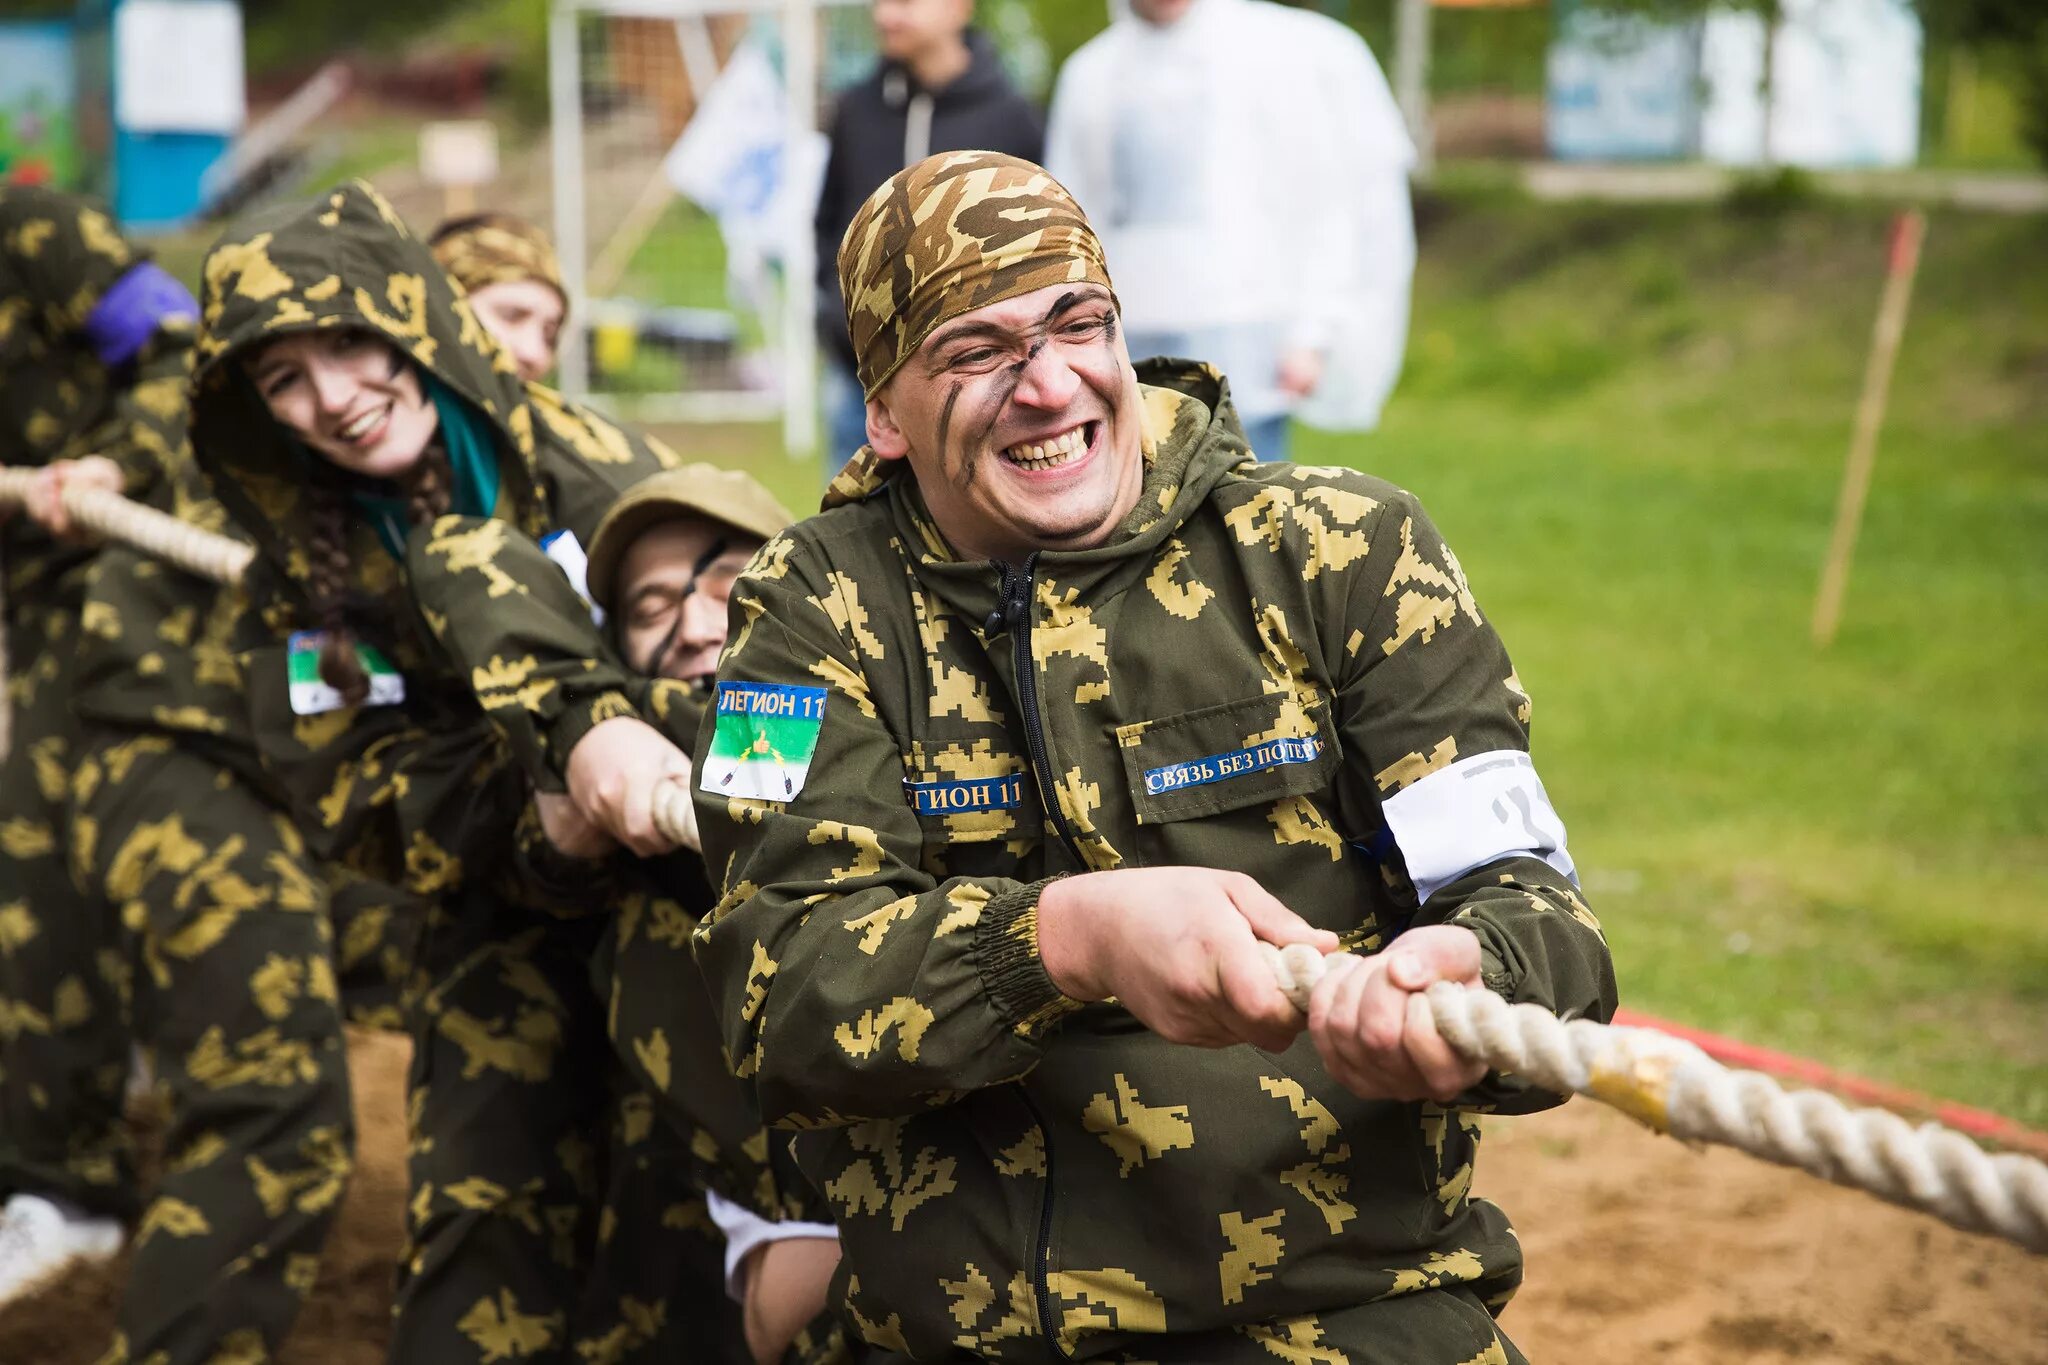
(343, 260)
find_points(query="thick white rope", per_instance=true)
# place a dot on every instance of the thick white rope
(158, 534)
(1673, 1087)
(1664, 1082)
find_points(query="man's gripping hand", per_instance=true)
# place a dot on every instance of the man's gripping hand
(1178, 948)
(45, 501)
(613, 773)
(1373, 1028)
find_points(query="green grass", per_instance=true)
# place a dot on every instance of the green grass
(1631, 423)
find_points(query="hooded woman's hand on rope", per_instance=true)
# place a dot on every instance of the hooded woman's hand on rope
(1373, 1027)
(615, 772)
(1179, 948)
(45, 501)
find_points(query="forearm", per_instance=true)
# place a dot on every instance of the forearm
(509, 622)
(1539, 944)
(891, 1003)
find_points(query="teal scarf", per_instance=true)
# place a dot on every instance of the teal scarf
(472, 458)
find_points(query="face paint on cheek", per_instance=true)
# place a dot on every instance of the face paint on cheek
(946, 421)
(991, 411)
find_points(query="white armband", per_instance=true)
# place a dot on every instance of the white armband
(1474, 812)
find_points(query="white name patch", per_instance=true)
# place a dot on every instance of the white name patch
(1474, 812)
(567, 552)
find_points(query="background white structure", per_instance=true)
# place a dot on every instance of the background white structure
(686, 154)
(1844, 87)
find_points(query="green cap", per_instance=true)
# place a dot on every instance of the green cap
(704, 490)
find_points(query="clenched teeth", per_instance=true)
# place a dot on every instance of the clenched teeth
(1047, 454)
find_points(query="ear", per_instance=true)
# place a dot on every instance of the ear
(884, 435)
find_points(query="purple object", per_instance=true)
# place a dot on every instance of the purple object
(128, 314)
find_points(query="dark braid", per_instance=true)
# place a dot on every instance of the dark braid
(327, 568)
(428, 494)
(429, 490)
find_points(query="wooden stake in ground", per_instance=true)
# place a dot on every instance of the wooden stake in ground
(1903, 265)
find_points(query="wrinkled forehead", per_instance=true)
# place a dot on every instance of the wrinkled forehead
(1018, 317)
(677, 544)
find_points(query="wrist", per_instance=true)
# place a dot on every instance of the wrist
(1062, 940)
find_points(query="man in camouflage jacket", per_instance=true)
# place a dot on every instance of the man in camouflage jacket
(1021, 749)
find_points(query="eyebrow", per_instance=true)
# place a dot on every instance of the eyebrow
(963, 331)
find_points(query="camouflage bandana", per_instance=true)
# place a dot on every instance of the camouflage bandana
(951, 234)
(492, 248)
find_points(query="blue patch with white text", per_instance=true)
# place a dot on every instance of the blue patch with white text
(964, 796)
(1256, 758)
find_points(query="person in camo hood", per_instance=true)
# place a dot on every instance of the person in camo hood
(507, 267)
(1021, 751)
(95, 346)
(346, 397)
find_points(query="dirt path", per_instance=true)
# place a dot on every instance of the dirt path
(1639, 1249)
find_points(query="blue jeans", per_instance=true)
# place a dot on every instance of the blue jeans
(1267, 436)
(846, 414)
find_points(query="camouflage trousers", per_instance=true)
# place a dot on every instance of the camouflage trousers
(63, 1041)
(226, 955)
(554, 1216)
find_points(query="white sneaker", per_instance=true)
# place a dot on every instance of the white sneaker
(40, 1238)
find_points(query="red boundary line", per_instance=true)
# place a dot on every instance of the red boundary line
(1978, 1123)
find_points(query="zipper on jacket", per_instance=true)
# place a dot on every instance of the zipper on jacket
(1041, 1250)
(1014, 613)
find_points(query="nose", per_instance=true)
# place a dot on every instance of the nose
(333, 386)
(1049, 382)
(531, 354)
(703, 621)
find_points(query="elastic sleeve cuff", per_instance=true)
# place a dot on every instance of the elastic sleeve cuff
(746, 1230)
(1006, 949)
(578, 719)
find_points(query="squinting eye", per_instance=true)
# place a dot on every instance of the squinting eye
(980, 355)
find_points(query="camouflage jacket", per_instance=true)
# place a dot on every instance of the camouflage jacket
(59, 258)
(1272, 669)
(412, 793)
(657, 1010)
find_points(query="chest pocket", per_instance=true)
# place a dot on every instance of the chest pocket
(1224, 757)
(969, 792)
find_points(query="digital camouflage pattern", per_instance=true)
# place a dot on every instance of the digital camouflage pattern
(688, 1126)
(1250, 675)
(946, 236)
(63, 1050)
(496, 248)
(421, 795)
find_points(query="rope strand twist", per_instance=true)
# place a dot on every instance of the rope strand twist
(191, 548)
(1673, 1087)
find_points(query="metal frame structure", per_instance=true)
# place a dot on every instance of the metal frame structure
(795, 398)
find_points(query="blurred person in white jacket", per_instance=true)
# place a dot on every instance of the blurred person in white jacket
(1247, 169)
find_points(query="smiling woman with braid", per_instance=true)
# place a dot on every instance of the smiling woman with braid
(346, 397)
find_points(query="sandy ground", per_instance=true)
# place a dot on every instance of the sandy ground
(1639, 1249)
